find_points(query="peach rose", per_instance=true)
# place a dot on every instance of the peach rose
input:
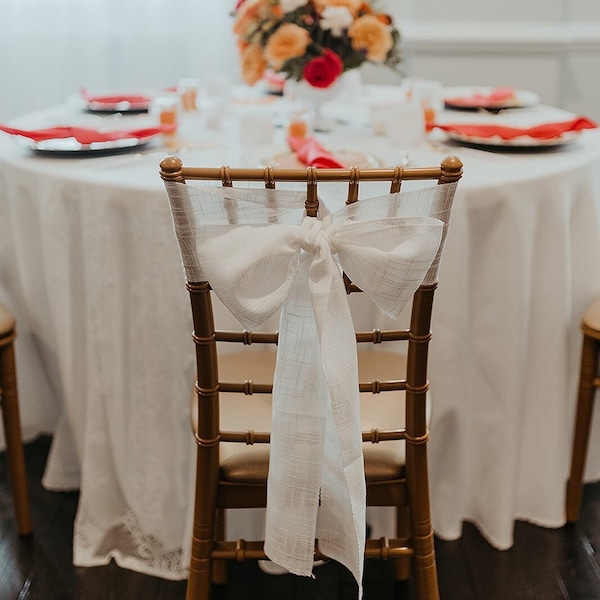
(352, 5)
(253, 64)
(287, 42)
(368, 33)
(248, 14)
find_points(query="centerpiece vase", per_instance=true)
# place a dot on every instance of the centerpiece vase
(315, 98)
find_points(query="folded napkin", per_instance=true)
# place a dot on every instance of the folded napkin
(477, 100)
(84, 135)
(544, 131)
(312, 154)
(110, 100)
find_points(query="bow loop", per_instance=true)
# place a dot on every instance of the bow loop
(250, 268)
(388, 258)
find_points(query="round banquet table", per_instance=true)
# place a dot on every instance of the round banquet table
(90, 265)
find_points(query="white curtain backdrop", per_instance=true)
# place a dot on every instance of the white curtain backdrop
(50, 48)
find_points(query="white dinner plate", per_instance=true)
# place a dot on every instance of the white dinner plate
(524, 141)
(520, 98)
(70, 146)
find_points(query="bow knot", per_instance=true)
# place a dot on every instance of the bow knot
(313, 235)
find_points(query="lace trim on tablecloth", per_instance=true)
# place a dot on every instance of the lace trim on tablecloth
(128, 546)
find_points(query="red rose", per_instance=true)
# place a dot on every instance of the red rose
(323, 70)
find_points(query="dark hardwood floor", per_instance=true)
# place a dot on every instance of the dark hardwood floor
(543, 564)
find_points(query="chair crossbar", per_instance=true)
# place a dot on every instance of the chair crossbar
(241, 550)
(247, 337)
(251, 437)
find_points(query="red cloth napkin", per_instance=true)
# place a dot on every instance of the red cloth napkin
(84, 135)
(311, 153)
(496, 96)
(545, 131)
(109, 100)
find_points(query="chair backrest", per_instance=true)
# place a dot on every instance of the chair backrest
(201, 215)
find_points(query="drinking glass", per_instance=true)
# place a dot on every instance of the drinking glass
(430, 95)
(405, 124)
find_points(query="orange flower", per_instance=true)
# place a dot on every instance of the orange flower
(288, 41)
(369, 34)
(386, 19)
(253, 64)
(352, 5)
(247, 14)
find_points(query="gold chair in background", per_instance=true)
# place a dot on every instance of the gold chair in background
(9, 404)
(589, 383)
(227, 382)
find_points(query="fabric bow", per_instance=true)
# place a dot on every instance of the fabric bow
(316, 486)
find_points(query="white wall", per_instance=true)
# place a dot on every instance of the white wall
(558, 61)
(51, 49)
(505, 43)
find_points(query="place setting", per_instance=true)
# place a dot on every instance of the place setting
(506, 119)
(70, 140)
(95, 125)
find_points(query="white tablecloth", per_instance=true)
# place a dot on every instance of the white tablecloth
(89, 263)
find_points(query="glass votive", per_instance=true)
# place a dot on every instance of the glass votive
(165, 109)
(430, 95)
(215, 90)
(298, 123)
(187, 89)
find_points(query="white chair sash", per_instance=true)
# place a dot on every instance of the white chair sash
(316, 486)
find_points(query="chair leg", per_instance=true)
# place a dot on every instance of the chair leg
(425, 570)
(219, 567)
(583, 421)
(198, 587)
(12, 432)
(426, 581)
(199, 581)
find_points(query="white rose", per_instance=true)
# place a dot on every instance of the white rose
(291, 5)
(336, 18)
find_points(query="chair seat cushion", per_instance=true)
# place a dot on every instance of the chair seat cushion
(249, 464)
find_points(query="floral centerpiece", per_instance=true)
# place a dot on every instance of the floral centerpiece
(312, 40)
